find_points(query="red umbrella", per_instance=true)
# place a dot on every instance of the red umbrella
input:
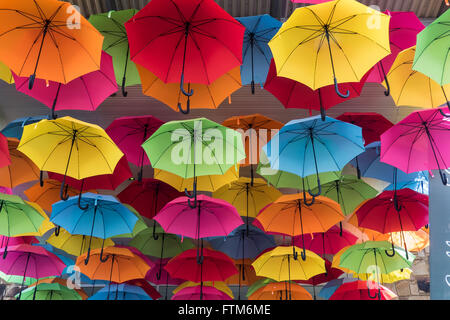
(129, 133)
(215, 266)
(165, 278)
(147, 287)
(293, 94)
(4, 152)
(373, 124)
(362, 290)
(84, 93)
(194, 41)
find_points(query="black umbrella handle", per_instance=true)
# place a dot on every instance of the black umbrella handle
(41, 178)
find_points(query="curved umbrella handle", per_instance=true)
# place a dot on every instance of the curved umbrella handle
(303, 254)
(390, 254)
(336, 88)
(442, 112)
(387, 92)
(187, 94)
(295, 253)
(63, 196)
(188, 107)
(79, 203)
(377, 294)
(192, 196)
(396, 205)
(155, 236)
(158, 274)
(104, 259)
(443, 177)
(319, 191)
(41, 178)
(124, 92)
(86, 261)
(57, 230)
(308, 204)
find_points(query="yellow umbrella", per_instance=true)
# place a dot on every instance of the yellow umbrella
(335, 263)
(219, 285)
(337, 39)
(204, 183)
(392, 277)
(76, 245)
(70, 147)
(5, 74)
(412, 88)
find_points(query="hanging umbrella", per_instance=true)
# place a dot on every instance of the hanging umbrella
(5, 74)
(246, 275)
(14, 129)
(394, 276)
(219, 285)
(415, 143)
(48, 291)
(111, 26)
(259, 284)
(207, 96)
(358, 290)
(415, 240)
(293, 94)
(432, 53)
(61, 282)
(365, 233)
(420, 185)
(332, 38)
(373, 124)
(102, 217)
(292, 215)
(73, 148)
(403, 29)
(122, 291)
(185, 41)
(331, 286)
(325, 145)
(13, 241)
(256, 54)
(20, 170)
(275, 290)
(129, 133)
(4, 152)
(147, 287)
(86, 92)
(200, 293)
(164, 278)
(224, 149)
(41, 39)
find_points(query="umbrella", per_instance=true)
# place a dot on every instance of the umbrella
(293, 94)
(42, 39)
(432, 52)
(13, 241)
(5, 74)
(147, 287)
(259, 284)
(102, 217)
(111, 26)
(122, 291)
(420, 185)
(352, 46)
(200, 293)
(324, 145)
(86, 92)
(4, 152)
(416, 240)
(223, 149)
(219, 285)
(331, 286)
(403, 29)
(165, 278)
(61, 282)
(129, 133)
(14, 129)
(394, 276)
(48, 291)
(20, 170)
(185, 41)
(292, 215)
(274, 291)
(416, 143)
(373, 124)
(74, 148)
(362, 290)
(256, 54)
(246, 275)
(208, 96)
(412, 88)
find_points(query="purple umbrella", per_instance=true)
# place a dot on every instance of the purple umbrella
(84, 93)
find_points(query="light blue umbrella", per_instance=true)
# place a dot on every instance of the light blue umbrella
(312, 145)
(14, 129)
(122, 291)
(421, 186)
(100, 216)
(256, 54)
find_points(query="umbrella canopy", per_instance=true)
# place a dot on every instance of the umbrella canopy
(111, 26)
(373, 124)
(331, 286)
(246, 275)
(330, 274)
(35, 44)
(6, 74)
(20, 169)
(256, 54)
(86, 92)
(330, 41)
(362, 290)
(122, 291)
(147, 287)
(14, 129)
(420, 185)
(61, 282)
(432, 53)
(200, 293)
(394, 276)
(4, 152)
(48, 291)
(158, 270)
(219, 285)
(415, 240)
(275, 291)
(12, 241)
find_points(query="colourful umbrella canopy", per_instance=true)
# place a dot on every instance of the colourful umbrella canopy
(48, 291)
(276, 290)
(331, 286)
(122, 291)
(219, 285)
(61, 282)
(415, 240)
(420, 185)
(246, 275)
(158, 275)
(362, 290)
(86, 92)
(12, 241)
(6, 74)
(256, 54)
(330, 274)
(200, 293)
(14, 129)
(147, 287)
(4, 152)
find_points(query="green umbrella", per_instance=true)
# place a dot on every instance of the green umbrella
(111, 26)
(49, 291)
(138, 227)
(193, 148)
(17, 279)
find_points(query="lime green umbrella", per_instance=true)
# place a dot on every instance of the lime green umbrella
(49, 291)
(258, 284)
(432, 56)
(193, 148)
(17, 279)
(348, 191)
(111, 26)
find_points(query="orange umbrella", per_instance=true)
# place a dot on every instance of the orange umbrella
(49, 193)
(246, 276)
(20, 170)
(206, 96)
(47, 39)
(62, 282)
(121, 265)
(275, 290)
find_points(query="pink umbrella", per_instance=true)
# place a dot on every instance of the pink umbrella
(30, 261)
(13, 241)
(129, 133)
(198, 293)
(84, 93)
(403, 29)
(293, 94)
(5, 160)
(419, 142)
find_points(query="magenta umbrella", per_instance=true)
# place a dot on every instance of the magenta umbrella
(197, 293)
(164, 277)
(84, 93)
(30, 261)
(129, 133)
(419, 142)
(13, 241)
(403, 29)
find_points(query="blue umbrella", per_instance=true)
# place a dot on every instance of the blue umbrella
(122, 291)
(100, 216)
(312, 145)
(421, 186)
(14, 129)
(256, 54)
(328, 289)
